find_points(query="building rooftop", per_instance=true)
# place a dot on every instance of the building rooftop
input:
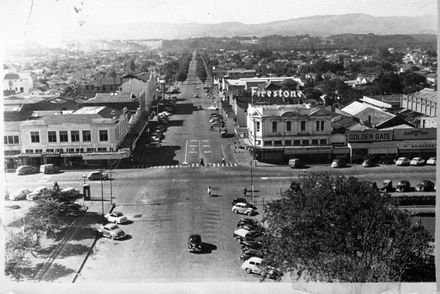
(426, 94)
(111, 98)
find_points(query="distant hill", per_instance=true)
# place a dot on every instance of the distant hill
(322, 25)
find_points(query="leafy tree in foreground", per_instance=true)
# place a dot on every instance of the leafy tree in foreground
(16, 250)
(342, 229)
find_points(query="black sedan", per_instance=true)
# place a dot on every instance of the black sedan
(195, 243)
(403, 186)
(425, 186)
(246, 221)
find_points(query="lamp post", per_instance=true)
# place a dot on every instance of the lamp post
(102, 198)
(111, 188)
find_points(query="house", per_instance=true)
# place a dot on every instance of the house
(103, 85)
(17, 83)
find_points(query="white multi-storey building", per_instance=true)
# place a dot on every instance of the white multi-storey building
(280, 132)
(90, 133)
(18, 83)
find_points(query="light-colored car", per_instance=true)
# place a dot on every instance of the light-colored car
(19, 195)
(49, 168)
(26, 169)
(253, 265)
(38, 193)
(111, 231)
(97, 175)
(338, 163)
(431, 161)
(417, 161)
(243, 208)
(403, 161)
(116, 217)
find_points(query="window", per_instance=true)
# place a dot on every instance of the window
(70, 150)
(11, 140)
(49, 150)
(278, 143)
(86, 136)
(314, 141)
(59, 150)
(79, 150)
(64, 136)
(274, 126)
(258, 126)
(296, 142)
(103, 135)
(306, 142)
(90, 149)
(288, 126)
(288, 142)
(303, 126)
(52, 136)
(319, 125)
(323, 142)
(102, 149)
(35, 137)
(29, 150)
(74, 136)
(38, 150)
(267, 143)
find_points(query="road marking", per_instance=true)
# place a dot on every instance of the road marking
(192, 152)
(223, 151)
(207, 151)
(207, 146)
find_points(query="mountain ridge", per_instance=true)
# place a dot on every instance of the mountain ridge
(317, 25)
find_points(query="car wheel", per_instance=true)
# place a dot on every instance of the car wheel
(248, 213)
(249, 271)
(235, 211)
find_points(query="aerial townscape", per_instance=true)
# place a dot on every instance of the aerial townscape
(255, 160)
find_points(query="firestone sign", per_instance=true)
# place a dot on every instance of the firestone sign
(370, 136)
(277, 93)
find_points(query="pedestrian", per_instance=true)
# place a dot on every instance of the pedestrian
(223, 161)
(209, 191)
(56, 188)
(244, 192)
(202, 163)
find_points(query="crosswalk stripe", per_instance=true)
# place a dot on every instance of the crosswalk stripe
(209, 164)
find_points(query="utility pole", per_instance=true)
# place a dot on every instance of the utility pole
(102, 198)
(111, 188)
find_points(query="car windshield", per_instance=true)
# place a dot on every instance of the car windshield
(117, 213)
(112, 226)
(195, 238)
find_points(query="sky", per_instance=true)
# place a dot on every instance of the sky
(47, 19)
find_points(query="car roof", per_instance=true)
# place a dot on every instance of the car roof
(111, 226)
(195, 236)
(255, 259)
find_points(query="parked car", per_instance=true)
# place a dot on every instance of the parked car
(252, 227)
(19, 195)
(111, 231)
(296, 163)
(338, 163)
(70, 193)
(425, 186)
(97, 176)
(417, 161)
(153, 145)
(39, 193)
(243, 208)
(238, 200)
(195, 243)
(272, 273)
(401, 161)
(249, 243)
(387, 186)
(26, 169)
(253, 265)
(49, 168)
(431, 161)
(368, 163)
(250, 252)
(116, 217)
(196, 96)
(403, 186)
(246, 221)
(223, 133)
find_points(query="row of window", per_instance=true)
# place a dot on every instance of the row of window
(69, 150)
(63, 136)
(11, 140)
(304, 142)
(319, 126)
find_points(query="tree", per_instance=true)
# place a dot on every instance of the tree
(131, 65)
(16, 250)
(342, 229)
(113, 75)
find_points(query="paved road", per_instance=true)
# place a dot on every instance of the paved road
(168, 203)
